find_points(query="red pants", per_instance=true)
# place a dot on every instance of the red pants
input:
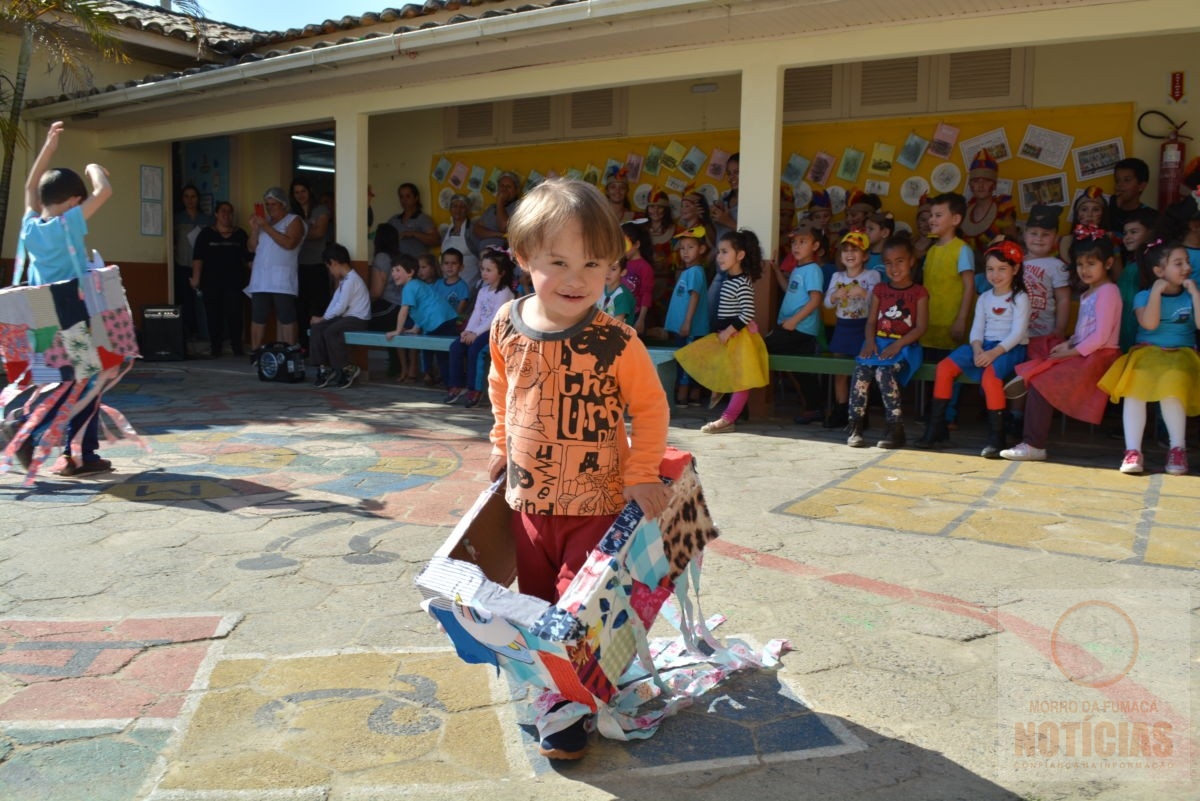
(552, 548)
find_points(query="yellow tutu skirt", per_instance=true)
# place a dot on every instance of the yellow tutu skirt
(1150, 373)
(731, 366)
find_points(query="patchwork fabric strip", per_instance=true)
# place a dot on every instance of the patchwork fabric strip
(64, 345)
(591, 648)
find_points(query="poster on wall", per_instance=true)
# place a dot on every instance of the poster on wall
(877, 187)
(458, 175)
(673, 155)
(441, 170)
(654, 155)
(852, 160)
(690, 164)
(1045, 146)
(716, 164)
(944, 137)
(882, 156)
(821, 168)
(995, 141)
(912, 151)
(913, 189)
(1095, 160)
(633, 167)
(1048, 190)
(206, 167)
(793, 173)
(475, 180)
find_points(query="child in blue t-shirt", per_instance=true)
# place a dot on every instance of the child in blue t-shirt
(799, 322)
(451, 285)
(687, 316)
(430, 313)
(57, 208)
(1163, 365)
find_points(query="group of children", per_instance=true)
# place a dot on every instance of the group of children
(998, 316)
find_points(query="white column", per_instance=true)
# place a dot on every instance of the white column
(350, 184)
(761, 141)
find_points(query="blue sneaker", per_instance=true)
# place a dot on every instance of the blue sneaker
(570, 743)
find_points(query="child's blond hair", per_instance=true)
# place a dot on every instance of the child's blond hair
(549, 207)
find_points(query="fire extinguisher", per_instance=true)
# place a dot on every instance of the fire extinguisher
(1172, 156)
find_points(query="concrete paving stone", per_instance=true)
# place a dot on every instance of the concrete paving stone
(338, 572)
(266, 593)
(911, 655)
(891, 698)
(54, 515)
(92, 769)
(937, 623)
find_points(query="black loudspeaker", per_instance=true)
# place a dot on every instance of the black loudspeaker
(162, 334)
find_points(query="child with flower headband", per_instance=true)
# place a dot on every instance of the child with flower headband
(733, 359)
(996, 346)
(1067, 378)
(1163, 366)
(849, 295)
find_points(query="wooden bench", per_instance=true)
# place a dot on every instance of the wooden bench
(664, 358)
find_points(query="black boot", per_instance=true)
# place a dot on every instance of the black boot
(856, 440)
(996, 441)
(839, 417)
(894, 436)
(936, 434)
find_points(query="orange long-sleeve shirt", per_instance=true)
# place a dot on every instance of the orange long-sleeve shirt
(559, 401)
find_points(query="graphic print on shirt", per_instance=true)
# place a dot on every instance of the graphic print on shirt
(565, 400)
(897, 319)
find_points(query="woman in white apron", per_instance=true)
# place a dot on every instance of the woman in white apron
(460, 237)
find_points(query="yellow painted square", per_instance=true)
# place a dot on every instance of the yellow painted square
(370, 719)
(415, 465)
(1113, 507)
(914, 484)
(1181, 511)
(941, 462)
(906, 513)
(1178, 547)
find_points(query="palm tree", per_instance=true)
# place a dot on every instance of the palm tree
(68, 32)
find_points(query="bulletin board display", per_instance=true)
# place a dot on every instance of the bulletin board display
(1045, 155)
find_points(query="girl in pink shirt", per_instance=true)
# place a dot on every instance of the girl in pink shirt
(1066, 380)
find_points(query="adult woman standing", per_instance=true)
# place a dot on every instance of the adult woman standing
(417, 231)
(314, 278)
(724, 211)
(616, 191)
(491, 229)
(662, 231)
(189, 222)
(219, 271)
(461, 237)
(274, 280)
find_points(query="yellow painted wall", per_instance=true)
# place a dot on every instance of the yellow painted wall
(400, 148)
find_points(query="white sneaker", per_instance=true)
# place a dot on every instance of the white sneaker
(1024, 453)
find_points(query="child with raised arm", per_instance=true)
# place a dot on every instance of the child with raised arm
(57, 208)
(891, 351)
(1163, 366)
(563, 376)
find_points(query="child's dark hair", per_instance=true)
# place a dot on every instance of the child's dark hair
(1139, 168)
(901, 240)
(1156, 255)
(60, 184)
(503, 262)
(453, 252)
(640, 236)
(1101, 247)
(884, 220)
(336, 253)
(406, 262)
(1011, 254)
(1144, 216)
(387, 240)
(953, 201)
(431, 262)
(746, 241)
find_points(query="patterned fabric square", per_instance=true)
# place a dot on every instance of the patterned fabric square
(99, 331)
(585, 660)
(14, 342)
(566, 681)
(618, 644)
(70, 307)
(82, 353)
(646, 559)
(114, 290)
(55, 356)
(118, 326)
